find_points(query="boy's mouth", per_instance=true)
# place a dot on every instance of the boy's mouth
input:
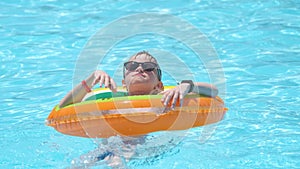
(139, 74)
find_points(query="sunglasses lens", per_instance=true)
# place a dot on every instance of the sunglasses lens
(149, 69)
(131, 66)
(148, 66)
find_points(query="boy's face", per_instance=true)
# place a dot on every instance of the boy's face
(139, 81)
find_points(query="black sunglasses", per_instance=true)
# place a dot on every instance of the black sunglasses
(146, 66)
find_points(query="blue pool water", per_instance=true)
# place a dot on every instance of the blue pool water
(257, 44)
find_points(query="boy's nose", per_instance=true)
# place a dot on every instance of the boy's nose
(139, 68)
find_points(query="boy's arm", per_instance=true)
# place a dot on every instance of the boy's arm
(205, 89)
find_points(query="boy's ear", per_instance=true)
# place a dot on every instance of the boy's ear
(123, 83)
(160, 85)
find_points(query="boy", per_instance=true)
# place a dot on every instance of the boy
(142, 76)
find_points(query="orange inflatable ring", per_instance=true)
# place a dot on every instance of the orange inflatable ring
(103, 115)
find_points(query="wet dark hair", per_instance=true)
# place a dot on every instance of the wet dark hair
(159, 74)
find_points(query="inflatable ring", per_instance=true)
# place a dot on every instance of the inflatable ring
(103, 114)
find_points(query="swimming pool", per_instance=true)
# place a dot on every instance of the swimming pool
(257, 44)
